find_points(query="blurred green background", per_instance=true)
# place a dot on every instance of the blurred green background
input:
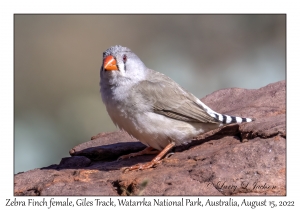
(57, 104)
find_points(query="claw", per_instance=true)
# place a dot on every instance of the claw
(169, 155)
(125, 170)
(123, 157)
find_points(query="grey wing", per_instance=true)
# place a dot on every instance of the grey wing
(169, 99)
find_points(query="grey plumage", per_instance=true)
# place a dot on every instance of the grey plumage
(179, 104)
(152, 107)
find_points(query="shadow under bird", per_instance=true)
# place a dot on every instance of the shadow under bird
(152, 107)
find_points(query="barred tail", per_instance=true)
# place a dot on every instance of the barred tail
(226, 119)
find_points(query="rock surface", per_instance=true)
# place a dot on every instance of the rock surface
(244, 159)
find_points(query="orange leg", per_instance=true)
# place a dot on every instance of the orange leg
(154, 161)
(146, 151)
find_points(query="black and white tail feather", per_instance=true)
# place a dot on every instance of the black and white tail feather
(225, 119)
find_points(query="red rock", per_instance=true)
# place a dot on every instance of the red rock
(244, 159)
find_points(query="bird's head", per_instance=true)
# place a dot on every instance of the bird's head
(121, 65)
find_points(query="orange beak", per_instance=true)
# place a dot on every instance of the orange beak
(109, 63)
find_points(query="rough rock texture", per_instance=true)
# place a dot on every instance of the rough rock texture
(244, 159)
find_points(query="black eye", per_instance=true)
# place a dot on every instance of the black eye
(124, 58)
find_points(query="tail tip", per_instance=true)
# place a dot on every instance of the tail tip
(250, 119)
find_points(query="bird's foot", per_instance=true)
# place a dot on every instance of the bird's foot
(154, 162)
(146, 151)
(151, 164)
